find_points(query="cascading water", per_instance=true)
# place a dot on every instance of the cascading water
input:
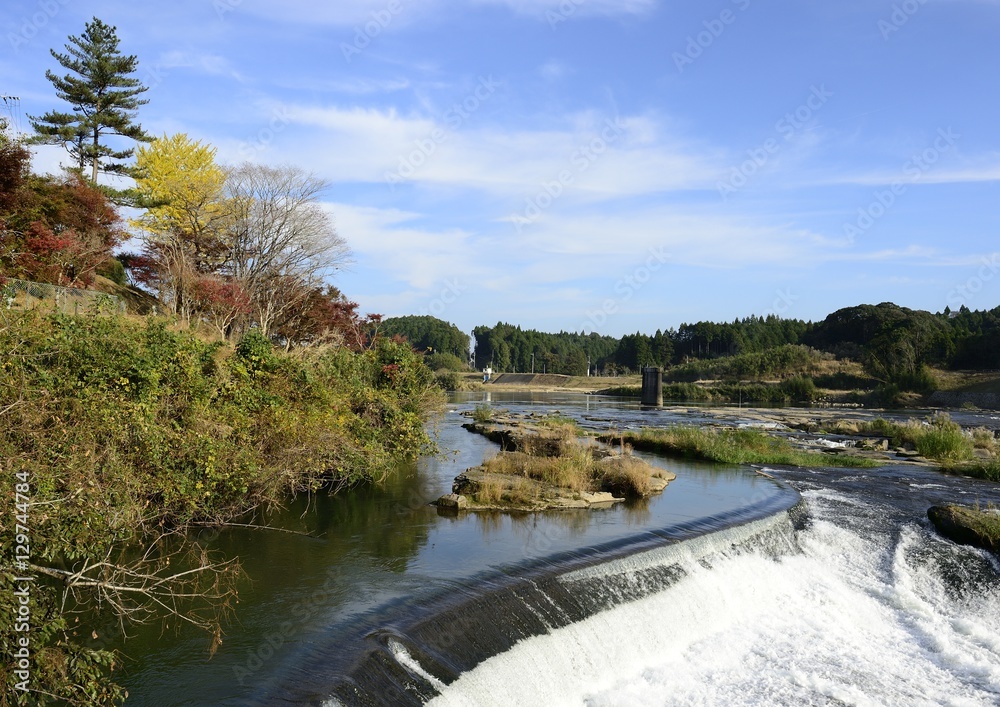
(720, 591)
(874, 610)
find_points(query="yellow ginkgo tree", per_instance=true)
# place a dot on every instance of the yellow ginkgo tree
(185, 220)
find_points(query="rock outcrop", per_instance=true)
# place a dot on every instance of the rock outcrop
(967, 526)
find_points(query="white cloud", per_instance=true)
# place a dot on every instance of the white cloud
(392, 241)
(596, 157)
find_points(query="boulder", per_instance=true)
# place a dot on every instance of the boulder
(967, 526)
(453, 500)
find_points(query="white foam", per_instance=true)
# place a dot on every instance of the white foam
(847, 621)
(404, 658)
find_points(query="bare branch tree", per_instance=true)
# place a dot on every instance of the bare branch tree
(279, 233)
(172, 578)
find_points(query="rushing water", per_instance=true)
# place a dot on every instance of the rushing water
(396, 603)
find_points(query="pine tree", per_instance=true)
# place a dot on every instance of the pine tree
(104, 97)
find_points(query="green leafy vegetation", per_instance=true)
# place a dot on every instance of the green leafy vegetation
(779, 362)
(434, 336)
(730, 446)
(129, 432)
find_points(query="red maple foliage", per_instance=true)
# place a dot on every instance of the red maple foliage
(53, 230)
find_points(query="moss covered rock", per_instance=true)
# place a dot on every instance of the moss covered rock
(967, 526)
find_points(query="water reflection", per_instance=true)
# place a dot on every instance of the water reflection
(376, 549)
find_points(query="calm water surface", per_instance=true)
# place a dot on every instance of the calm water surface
(383, 551)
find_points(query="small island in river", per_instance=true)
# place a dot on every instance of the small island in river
(545, 465)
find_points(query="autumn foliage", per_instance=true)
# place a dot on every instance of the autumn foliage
(52, 230)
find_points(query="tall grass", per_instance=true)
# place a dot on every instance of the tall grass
(733, 446)
(939, 438)
(575, 470)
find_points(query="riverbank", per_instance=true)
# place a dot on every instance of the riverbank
(545, 382)
(845, 388)
(123, 435)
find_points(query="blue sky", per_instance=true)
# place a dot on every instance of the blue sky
(594, 165)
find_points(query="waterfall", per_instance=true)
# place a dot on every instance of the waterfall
(509, 620)
(855, 617)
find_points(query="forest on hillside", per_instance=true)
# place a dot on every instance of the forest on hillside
(893, 343)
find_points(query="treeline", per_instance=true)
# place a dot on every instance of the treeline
(429, 335)
(894, 344)
(506, 347)
(509, 348)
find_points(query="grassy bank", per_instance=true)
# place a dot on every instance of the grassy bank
(799, 389)
(126, 432)
(973, 452)
(730, 446)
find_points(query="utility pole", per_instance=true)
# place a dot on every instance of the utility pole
(13, 106)
(532, 361)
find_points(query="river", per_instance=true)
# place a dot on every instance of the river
(826, 587)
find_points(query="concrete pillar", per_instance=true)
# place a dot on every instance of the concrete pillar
(652, 387)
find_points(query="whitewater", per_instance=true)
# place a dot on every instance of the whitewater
(866, 605)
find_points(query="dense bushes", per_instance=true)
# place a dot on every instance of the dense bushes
(127, 430)
(772, 363)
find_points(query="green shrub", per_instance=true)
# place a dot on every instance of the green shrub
(256, 351)
(448, 380)
(799, 389)
(944, 440)
(445, 361)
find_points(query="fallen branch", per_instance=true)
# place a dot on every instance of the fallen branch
(253, 527)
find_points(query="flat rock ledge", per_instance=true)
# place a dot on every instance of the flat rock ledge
(521, 494)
